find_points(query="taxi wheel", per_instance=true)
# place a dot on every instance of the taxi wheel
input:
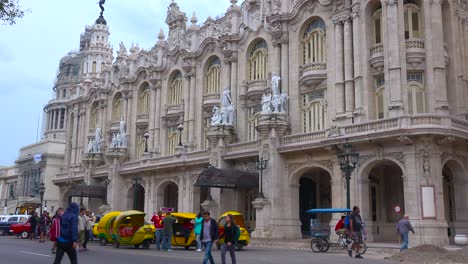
(102, 241)
(116, 244)
(136, 246)
(24, 235)
(146, 244)
(187, 247)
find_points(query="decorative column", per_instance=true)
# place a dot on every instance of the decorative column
(358, 82)
(285, 63)
(157, 118)
(277, 54)
(393, 61)
(193, 94)
(234, 87)
(348, 63)
(339, 77)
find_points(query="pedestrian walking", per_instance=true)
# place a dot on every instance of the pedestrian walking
(33, 221)
(44, 222)
(355, 230)
(230, 235)
(158, 233)
(168, 223)
(54, 231)
(81, 229)
(403, 228)
(197, 230)
(67, 241)
(209, 235)
(88, 228)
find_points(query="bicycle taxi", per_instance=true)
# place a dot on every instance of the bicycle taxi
(184, 235)
(104, 229)
(320, 232)
(130, 229)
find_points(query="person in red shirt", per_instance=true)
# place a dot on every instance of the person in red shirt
(340, 227)
(157, 220)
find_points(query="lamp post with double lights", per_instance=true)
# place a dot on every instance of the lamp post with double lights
(41, 192)
(348, 159)
(180, 128)
(136, 182)
(146, 142)
(261, 165)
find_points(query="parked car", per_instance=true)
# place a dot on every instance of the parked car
(9, 220)
(22, 230)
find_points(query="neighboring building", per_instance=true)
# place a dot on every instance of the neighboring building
(8, 183)
(390, 77)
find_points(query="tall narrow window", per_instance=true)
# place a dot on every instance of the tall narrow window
(258, 61)
(93, 119)
(212, 77)
(62, 118)
(172, 140)
(416, 93)
(377, 19)
(313, 112)
(379, 97)
(93, 70)
(175, 89)
(117, 108)
(412, 20)
(314, 48)
(144, 99)
(103, 65)
(140, 144)
(254, 113)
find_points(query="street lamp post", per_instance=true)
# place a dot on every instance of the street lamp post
(180, 128)
(136, 181)
(348, 160)
(261, 164)
(146, 142)
(41, 192)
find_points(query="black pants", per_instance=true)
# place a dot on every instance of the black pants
(68, 248)
(86, 238)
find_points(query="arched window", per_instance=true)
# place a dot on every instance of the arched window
(377, 23)
(175, 89)
(172, 140)
(93, 70)
(144, 99)
(254, 113)
(212, 77)
(103, 65)
(117, 108)
(314, 48)
(379, 97)
(416, 93)
(258, 61)
(413, 25)
(93, 116)
(313, 112)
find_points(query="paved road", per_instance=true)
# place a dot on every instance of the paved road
(18, 251)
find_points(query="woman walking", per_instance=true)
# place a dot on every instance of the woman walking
(44, 223)
(197, 230)
(230, 235)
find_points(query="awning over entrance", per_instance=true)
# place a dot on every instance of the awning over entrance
(227, 178)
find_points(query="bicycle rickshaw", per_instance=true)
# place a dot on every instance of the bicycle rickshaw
(320, 241)
(130, 229)
(104, 229)
(184, 235)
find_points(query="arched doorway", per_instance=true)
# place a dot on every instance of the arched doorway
(314, 192)
(386, 192)
(455, 198)
(136, 198)
(168, 195)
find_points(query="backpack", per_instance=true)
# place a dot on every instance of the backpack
(54, 231)
(346, 221)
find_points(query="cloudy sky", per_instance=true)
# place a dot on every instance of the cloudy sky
(31, 49)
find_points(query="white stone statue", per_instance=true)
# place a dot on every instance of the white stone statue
(284, 102)
(276, 102)
(227, 110)
(226, 98)
(216, 118)
(114, 142)
(122, 50)
(118, 137)
(121, 126)
(90, 146)
(97, 140)
(275, 84)
(266, 103)
(123, 140)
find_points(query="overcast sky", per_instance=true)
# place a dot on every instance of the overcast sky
(31, 49)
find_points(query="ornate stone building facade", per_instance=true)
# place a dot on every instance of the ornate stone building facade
(388, 76)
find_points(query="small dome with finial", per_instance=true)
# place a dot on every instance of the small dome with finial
(161, 35)
(101, 20)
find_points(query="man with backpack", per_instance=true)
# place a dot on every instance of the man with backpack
(67, 241)
(354, 225)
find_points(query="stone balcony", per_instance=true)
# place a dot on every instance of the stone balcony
(210, 100)
(312, 73)
(255, 89)
(174, 112)
(142, 119)
(415, 52)
(376, 56)
(241, 150)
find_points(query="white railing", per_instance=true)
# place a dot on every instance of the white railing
(313, 66)
(307, 137)
(211, 97)
(256, 83)
(177, 107)
(376, 48)
(242, 146)
(415, 44)
(142, 116)
(372, 126)
(426, 120)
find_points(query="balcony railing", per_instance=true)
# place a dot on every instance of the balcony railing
(313, 66)
(414, 44)
(242, 146)
(376, 49)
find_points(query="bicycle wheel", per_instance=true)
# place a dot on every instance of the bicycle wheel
(316, 245)
(362, 248)
(325, 245)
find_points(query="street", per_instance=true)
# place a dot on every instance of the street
(19, 251)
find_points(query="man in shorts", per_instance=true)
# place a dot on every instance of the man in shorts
(355, 231)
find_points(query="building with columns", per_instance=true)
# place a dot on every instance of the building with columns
(390, 77)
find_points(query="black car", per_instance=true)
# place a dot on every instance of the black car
(10, 220)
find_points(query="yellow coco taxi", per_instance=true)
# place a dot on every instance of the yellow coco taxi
(184, 235)
(103, 230)
(130, 229)
(244, 238)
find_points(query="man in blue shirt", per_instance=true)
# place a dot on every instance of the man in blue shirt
(68, 235)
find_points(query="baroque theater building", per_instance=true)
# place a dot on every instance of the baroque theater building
(181, 125)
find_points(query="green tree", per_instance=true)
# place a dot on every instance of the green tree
(10, 10)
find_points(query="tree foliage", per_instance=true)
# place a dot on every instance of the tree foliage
(10, 10)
